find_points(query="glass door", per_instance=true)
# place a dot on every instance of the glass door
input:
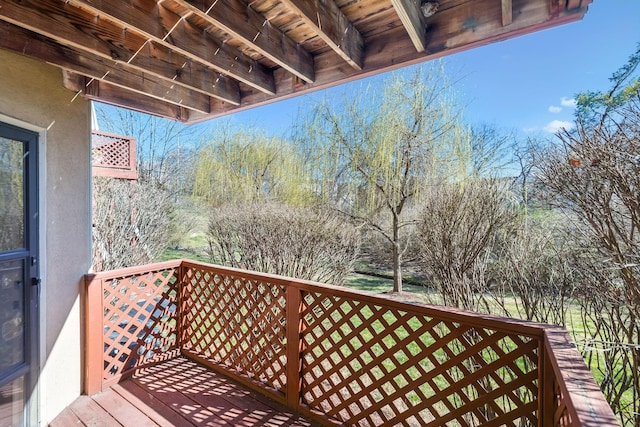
(19, 283)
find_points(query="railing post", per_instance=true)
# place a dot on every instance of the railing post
(94, 336)
(180, 298)
(546, 391)
(294, 346)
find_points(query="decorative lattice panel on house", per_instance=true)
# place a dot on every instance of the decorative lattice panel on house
(113, 155)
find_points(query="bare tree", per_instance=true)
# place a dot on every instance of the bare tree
(131, 223)
(538, 266)
(164, 147)
(593, 173)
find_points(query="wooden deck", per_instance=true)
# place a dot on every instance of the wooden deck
(178, 392)
(334, 355)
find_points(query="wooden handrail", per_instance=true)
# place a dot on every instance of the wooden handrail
(299, 341)
(504, 324)
(585, 402)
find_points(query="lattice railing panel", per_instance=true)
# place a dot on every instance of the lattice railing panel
(335, 355)
(140, 320)
(110, 151)
(238, 323)
(113, 155)
(561, 417)
(367, 364)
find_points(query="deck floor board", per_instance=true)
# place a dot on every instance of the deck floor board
(122, 410)
(178, 392)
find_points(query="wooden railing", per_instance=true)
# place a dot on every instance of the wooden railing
(338, 356)
(113, 155)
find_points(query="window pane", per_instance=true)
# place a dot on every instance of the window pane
(11, 315)
(12, 403)
(11, 194)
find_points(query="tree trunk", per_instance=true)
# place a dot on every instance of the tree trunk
(397, 269)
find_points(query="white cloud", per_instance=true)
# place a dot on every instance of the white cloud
(568, 102)
(554, 109)
(529, 129)
(555, 125)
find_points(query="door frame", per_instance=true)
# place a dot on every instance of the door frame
(35, 174)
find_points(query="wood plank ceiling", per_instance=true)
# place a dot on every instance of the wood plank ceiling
(192, 60)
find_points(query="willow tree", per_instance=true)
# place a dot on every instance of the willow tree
(245, 167)
(385, 146)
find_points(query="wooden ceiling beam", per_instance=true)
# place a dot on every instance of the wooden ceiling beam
(160, 61)
(393, 50)
(73, 27)
(36, 46)
(413, 21)
(507, 12)
(104, 92)
(174, 32)
(241, 21)
(138, 58)
(329, 23)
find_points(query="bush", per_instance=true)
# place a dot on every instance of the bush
(456, 233)
(131, 223)
(304, 243)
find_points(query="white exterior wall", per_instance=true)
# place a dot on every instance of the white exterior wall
(32, 96)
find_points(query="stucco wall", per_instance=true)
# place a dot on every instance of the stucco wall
(32, 96)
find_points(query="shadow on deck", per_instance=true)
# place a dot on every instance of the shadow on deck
(178, 392)
(332, 355)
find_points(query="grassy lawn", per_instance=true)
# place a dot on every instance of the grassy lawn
(183, 253)
(192, 247)
(579, 330)
(379, 284)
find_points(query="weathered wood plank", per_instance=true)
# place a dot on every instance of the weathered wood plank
(175, 32)
(76, 28)
(579, 391)
(183, 405)
(178, 392)
(507, 12)
(91, 413)
(241, 21)
(161, 62)
(330, 24)
(110, 94)
(229, 402)
(393, 50)
(413, 21)
(66, 419)
(118, 74)
(157, 409)
(573, 4)
(121, 410)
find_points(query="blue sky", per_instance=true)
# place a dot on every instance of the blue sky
(524, 84)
